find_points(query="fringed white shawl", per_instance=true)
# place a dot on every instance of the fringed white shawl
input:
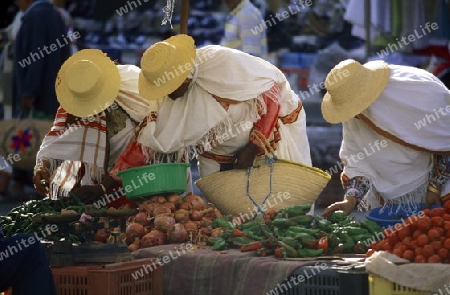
(194, 120)
(79, 153)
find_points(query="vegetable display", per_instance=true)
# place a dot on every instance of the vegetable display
(172, 219)
(423, 238)
(20, 218)
(291, 233)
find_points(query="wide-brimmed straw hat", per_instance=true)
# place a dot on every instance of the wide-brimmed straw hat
(166, 65)
(87, 83)
(352, 88)
(292, 184)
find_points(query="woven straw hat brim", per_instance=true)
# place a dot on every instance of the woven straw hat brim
(361, 92)
(153, 90)
(97, 101)
(228, 190)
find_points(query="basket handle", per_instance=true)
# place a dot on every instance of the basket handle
(271, 163)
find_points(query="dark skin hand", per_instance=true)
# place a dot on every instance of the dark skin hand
(246, 156)
(90, 193)
(347, 205)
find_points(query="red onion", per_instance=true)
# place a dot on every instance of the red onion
(169, 205)
(160, 209)
(195, 202)
(101, 235)
(190, 226)
(153, 238)
(133, 247)
(174, 199)
(158, 199)
(164, 223)
(142, 218)
(181, 216)
(197, 215)
(134, 230)
(178, 234)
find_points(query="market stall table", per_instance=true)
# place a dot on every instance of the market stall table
(231, 272)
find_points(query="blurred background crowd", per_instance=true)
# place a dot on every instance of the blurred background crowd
(305, 45)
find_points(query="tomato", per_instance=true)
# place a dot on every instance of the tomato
(447, 225)
(418, 251)
(447, 234)
(387, 232)
(370, 252)
(417, 233)
(424, 223)
(407, 242)
(447, 244)
(433, 235)
(447, 206)
(398, 253)
(403, 233)
(440, 230)
(388, 247)
(446, 216)
(434, 259)
(436, 245)
(427, 251)
(411, 221)
(413, 244)
(420, 259)
(437, 221)
(427, 212)
(437, 212)
(393, 239)
(422, 240)
(443, 253)
(408, 255)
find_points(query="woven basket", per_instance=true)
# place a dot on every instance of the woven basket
(287, 184)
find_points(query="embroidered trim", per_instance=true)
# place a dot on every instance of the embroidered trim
(293, 116)
(395, 138)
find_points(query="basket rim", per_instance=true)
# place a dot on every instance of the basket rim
(152, 166)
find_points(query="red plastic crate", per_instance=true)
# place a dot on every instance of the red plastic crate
(111, 279)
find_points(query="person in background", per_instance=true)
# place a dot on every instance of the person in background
(36, 66)
(396, 141)
(244, 28)
(90, 131)
(24, 266)
(228, 108)
(61, 7)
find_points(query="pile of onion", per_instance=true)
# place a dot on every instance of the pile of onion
(172, 219)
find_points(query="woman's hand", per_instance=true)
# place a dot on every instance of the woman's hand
(347, 205)
(41, 179)
(246, 156)
(88, 193)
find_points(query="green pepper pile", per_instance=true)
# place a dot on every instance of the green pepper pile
(291, 233)
(20, 218)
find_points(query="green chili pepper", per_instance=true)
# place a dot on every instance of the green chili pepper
(291, 242)
(298, 210)
(283, 222)
(310, 252)
(219, 244)
(220, 222)
(290, 251)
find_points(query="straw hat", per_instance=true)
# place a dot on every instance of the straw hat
(87, 83)
(165, 66)
(352, 88)
(227, 190)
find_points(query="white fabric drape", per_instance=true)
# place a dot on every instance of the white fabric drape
(393, 170)
(231, 74)
(415, 107)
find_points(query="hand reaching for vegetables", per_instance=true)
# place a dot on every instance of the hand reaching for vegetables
(88, 193)
(347, 205)
(41, 179)
(246, 156)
